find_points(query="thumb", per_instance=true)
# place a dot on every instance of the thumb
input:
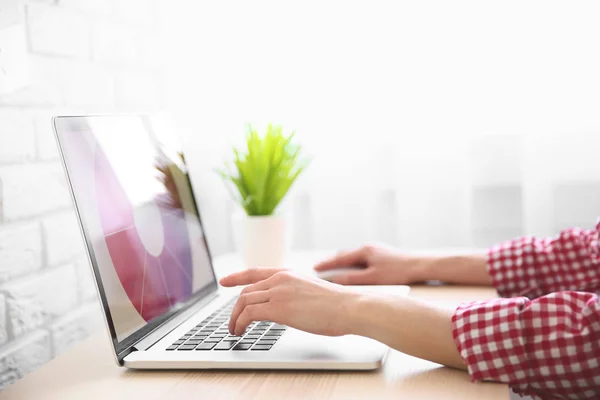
(361, 277)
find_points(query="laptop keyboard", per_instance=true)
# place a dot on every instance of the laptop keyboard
(213, 334)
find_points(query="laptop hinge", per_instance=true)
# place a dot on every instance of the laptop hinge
(163, 330)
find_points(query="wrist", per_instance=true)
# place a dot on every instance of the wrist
(425, 269)
(462, 269)
(360, 310)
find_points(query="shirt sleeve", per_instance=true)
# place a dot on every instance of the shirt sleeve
(533, 267)
(548, 347)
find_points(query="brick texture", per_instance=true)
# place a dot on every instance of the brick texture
(62, 237)
(3, 320)
(24, 187)
(92, 56)
(112, 44)
(85, 280)
(57, 31)
(23, 356)
(43, 89)
(17, 144)
(34, 302)
(46, 148)
(85, 84)
(72, 328)
(20, 250)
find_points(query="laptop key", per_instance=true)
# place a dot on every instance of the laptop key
(187, 347)
(261, 347)
(242, 346)
(279, 327)
(212, 340)
(246, 341)
(225, 345)
(274, 333)
(271, 342)
(172, 347)
(206, 346)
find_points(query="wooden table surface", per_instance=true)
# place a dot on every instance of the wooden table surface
(89, 372)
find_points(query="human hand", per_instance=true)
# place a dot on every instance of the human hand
(302, 302)
(381, 266)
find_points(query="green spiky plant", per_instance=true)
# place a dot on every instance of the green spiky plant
(264, 171)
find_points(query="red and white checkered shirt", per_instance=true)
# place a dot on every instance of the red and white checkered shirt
(543, 336)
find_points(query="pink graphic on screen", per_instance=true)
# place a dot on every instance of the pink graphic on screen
(153, 280)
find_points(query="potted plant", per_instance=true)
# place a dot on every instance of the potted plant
(259, 177)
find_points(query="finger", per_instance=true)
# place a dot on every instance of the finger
(360, 277)
(346, 259)
(253, 312)
(245, 300)
(248, 276)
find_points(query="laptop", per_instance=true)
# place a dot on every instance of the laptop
(151, 262)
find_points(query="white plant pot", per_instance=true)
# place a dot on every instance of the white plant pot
(261, 241)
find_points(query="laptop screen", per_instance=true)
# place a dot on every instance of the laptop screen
(139, 216)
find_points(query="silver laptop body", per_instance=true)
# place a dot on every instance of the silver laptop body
(153, 269)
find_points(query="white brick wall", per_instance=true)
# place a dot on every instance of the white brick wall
(20, 250)
(23, 356)
(84, 56)
(18, 142)
(73, 327)
(33, 301)
(32, 189)
(85, 281)
(62, 237)
(46, 149)
(57, 31)
(3, 330)
(43, 88)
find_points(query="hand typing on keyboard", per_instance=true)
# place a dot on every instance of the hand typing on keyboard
(306, 303)
(317, 306)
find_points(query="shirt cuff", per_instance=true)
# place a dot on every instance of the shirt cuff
(511, 267)
(488, 337)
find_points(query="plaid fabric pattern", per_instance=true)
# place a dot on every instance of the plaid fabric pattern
(545, 339)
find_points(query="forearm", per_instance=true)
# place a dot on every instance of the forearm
(468, 269)
(407, 326)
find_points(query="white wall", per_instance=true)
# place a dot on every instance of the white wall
(430, 123)
(84, 56)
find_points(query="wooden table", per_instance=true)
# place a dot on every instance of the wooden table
(89, 372)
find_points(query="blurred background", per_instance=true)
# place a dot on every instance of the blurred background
(430, 125)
